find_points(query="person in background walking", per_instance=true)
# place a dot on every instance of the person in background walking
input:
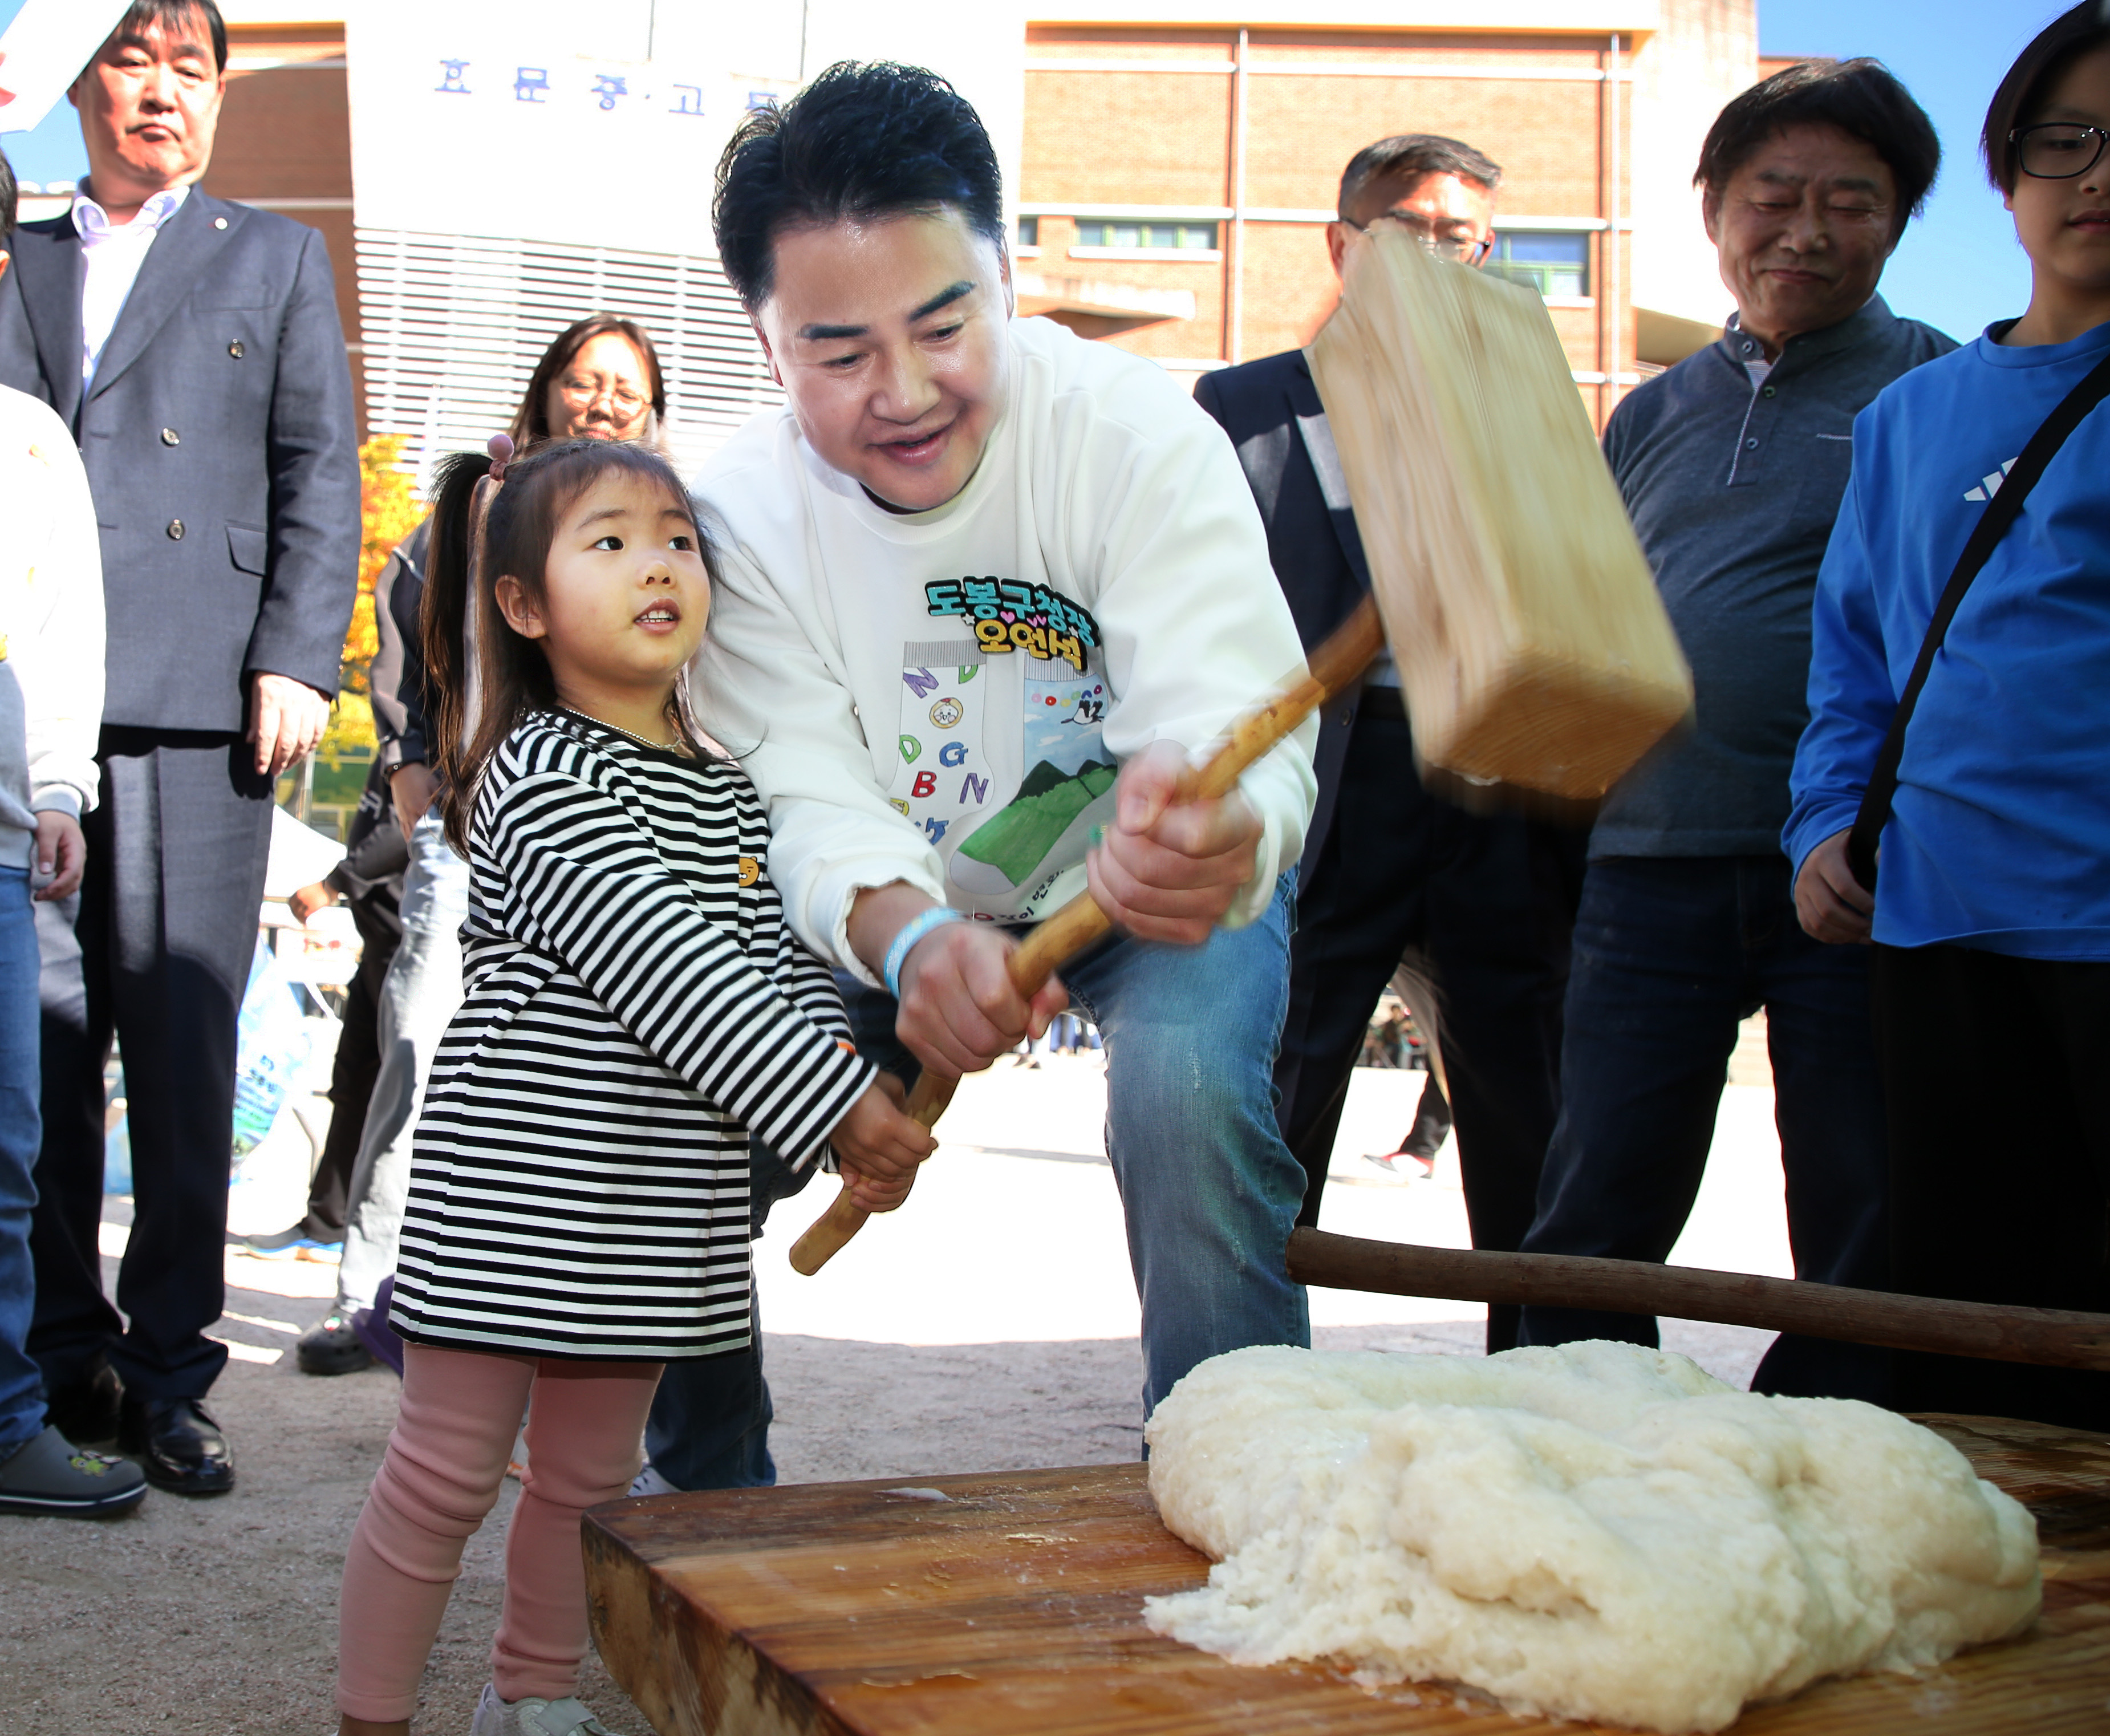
(369, 881)
(1991, 912)
(50, 699)
(1732, 465)
(1426, 1138)
(193, 348)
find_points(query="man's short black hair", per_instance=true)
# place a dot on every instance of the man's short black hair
(2028, 85)
(1861, 97)
(1418, 155)
(7, 199)
(863, 140)
(170, 18)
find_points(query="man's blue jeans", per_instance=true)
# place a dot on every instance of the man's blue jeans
(1670, 954)
(1209, 1191)
(21, 1133)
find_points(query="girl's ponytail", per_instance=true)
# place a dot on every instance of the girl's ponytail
(444, 615)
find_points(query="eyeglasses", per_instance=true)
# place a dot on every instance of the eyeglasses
(588, 392)
(2058, 150)
(1466, 247)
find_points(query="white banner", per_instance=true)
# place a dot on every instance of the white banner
(603, 126)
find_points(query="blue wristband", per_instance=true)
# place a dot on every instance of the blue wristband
(913, 930)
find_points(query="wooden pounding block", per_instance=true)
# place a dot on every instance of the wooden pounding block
(1533, 646)
(1014, 1605)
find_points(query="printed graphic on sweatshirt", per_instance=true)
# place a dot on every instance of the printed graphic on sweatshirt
(1067, 788)
(1009, 615)
(1005, 848)
(943, 773)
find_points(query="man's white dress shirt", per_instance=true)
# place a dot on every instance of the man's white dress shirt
(111, 255)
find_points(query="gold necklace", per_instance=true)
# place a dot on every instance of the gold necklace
(662, 747)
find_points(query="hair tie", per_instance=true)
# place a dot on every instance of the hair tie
(501, 448)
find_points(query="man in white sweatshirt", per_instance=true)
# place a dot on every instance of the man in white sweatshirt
(987, 588)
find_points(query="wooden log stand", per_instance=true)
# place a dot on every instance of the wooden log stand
(1011, 1603)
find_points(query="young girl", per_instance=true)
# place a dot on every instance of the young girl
(1991, 912)
(578, 1208)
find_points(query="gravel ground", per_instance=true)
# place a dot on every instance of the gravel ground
(218, 1618)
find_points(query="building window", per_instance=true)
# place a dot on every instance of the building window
(1554, 262)
(1028, 231)
(1183, 237)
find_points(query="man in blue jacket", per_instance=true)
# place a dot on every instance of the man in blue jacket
(193, 348)
(1732, 465)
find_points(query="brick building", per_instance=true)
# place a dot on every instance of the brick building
(1171, 150)
(1172, 175)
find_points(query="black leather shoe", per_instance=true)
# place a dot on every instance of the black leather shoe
(85, 1411)
(178, 1445)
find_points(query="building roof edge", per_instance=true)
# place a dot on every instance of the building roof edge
(1633, 18)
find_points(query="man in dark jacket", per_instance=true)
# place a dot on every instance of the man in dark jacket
(1387, 867)
(193, 346)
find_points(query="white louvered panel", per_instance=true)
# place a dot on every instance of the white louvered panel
(453, 326)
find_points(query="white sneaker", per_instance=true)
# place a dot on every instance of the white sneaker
(533, 1717)
(649, 1482)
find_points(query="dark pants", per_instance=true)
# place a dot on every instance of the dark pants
(1484, 899)
(1670, 952)
(156, 946)
(352, 1073)
(709, 1425)
(1997, 1074)
(1432, 1122)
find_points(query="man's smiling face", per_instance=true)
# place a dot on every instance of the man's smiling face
(889, 337)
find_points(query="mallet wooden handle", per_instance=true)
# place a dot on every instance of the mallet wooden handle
(2052, 1337)
(1345, 654)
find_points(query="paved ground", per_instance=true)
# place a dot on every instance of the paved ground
(989, 1325)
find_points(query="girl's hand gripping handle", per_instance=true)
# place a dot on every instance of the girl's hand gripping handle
(1071, 929)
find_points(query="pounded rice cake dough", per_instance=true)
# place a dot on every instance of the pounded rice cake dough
(1596, 1531)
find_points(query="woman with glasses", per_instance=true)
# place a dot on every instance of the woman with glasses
(599, 378)
(1991, 910)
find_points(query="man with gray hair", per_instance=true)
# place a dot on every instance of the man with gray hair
(1387, 867)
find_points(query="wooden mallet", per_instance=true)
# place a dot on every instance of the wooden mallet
(1080, 922)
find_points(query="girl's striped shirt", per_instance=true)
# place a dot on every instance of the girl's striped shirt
(636, 1005)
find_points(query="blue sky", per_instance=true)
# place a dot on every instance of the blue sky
(1957, 268)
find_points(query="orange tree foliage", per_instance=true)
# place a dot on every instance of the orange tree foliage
(389, 511)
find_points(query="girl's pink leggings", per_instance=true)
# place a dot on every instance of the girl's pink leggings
(445, 1462)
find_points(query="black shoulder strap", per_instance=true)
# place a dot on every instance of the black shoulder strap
(2000, 512)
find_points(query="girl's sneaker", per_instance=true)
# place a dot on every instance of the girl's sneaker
(533, 1717)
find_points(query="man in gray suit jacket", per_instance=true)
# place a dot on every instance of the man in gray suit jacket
(194, 347)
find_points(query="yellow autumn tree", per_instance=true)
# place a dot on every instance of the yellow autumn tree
(389, 511)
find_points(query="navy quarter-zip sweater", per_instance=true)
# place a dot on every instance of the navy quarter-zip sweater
(1733, 485)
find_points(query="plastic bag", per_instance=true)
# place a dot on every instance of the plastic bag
(270, 1048)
